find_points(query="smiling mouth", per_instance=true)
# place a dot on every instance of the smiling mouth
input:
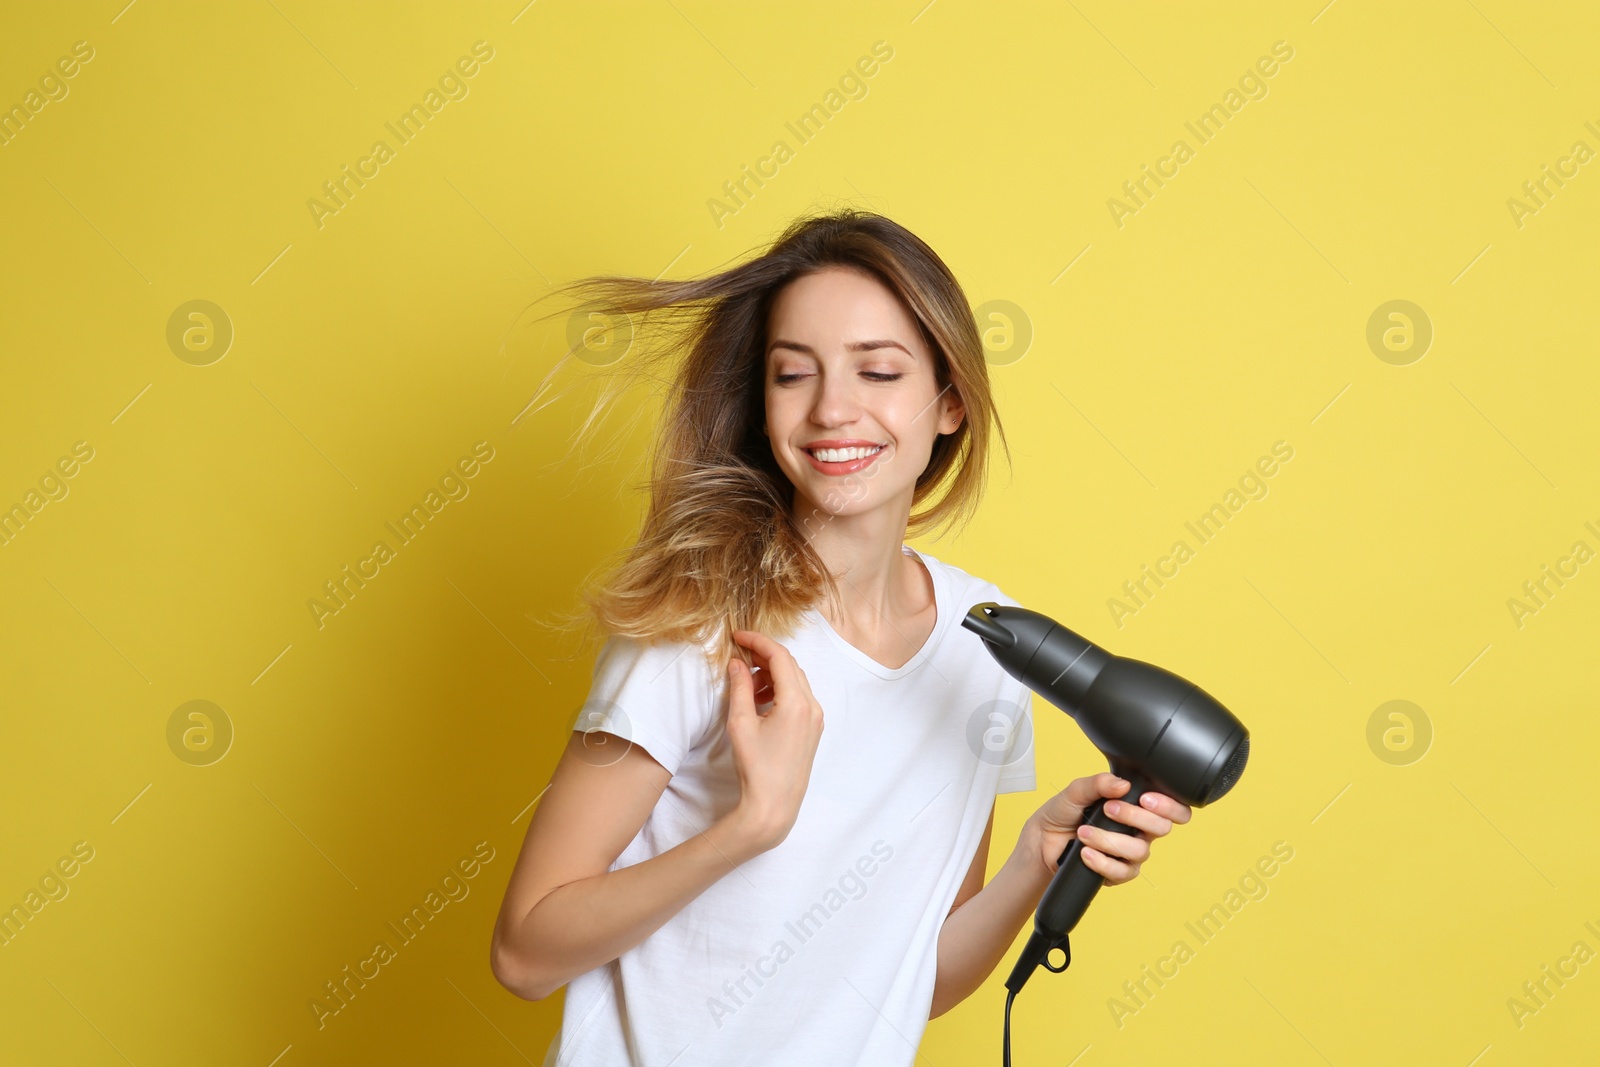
(849, 461)
(843, 455)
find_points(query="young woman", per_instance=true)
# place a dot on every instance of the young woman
(770, 851)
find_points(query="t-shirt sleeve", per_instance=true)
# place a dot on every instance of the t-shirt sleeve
(1017, 774)
(657, 695)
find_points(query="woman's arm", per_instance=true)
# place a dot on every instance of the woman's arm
(980, 932)
(564, 912)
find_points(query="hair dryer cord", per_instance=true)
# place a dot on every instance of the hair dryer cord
(1036, 954)
(1005, 1058)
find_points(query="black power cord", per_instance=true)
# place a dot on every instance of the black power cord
(1036, 954)
(1006, 1058)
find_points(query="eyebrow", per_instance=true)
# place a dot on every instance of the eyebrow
(853, 346)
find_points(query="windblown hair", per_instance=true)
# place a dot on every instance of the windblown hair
(719, 550)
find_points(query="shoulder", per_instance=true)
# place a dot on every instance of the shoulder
(661, 695)
(967, 588)
(621, 653)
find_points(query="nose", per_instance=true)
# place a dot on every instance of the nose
(835, 403)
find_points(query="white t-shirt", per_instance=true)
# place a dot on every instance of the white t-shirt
(822, 950)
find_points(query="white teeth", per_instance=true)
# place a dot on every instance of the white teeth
(841, 455)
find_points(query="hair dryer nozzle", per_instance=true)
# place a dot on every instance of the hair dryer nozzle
(1037, 650)
(978, 620)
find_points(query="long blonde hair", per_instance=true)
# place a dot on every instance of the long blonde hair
(719, 550)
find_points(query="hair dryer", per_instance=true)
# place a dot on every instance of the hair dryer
(1159, 732)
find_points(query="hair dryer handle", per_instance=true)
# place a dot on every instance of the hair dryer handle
(1075, 884)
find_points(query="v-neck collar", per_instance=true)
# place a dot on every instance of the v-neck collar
(941, 601)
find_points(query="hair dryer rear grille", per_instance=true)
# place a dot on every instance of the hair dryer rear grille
(1230, 774)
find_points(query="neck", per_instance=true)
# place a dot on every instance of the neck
(866, 555)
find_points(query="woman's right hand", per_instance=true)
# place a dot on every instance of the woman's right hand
(772, 751)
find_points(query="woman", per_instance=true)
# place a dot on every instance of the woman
(716, 877)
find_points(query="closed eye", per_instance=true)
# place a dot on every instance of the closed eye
(876, 376)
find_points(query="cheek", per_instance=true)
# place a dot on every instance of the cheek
(783, 410)
(914, 422)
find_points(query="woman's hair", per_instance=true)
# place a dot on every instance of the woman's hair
(719, 550)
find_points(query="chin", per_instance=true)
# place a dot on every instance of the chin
(846, 504)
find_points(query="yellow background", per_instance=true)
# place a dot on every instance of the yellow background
(1230, 312)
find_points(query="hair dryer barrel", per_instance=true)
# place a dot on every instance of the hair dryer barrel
(1149, 723)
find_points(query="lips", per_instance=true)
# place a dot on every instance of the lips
(846, 442)
(849, 466)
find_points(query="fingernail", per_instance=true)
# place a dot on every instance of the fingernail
(1148, 801)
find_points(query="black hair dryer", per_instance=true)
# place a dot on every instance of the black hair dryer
(1159, 732)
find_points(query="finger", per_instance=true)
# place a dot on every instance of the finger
(1166, 807)
(805, 681)
(1063, 811)
(1138, 818)
(751, 659)
(784, 671)
(1114, 871)
(760, 648)
(1120, 846)
(749, 671)
(739, 685)
(1085, 791)
(741, 704)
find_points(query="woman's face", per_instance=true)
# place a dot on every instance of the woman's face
(853, 405)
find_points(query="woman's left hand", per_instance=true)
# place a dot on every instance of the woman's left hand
(1115, 857)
